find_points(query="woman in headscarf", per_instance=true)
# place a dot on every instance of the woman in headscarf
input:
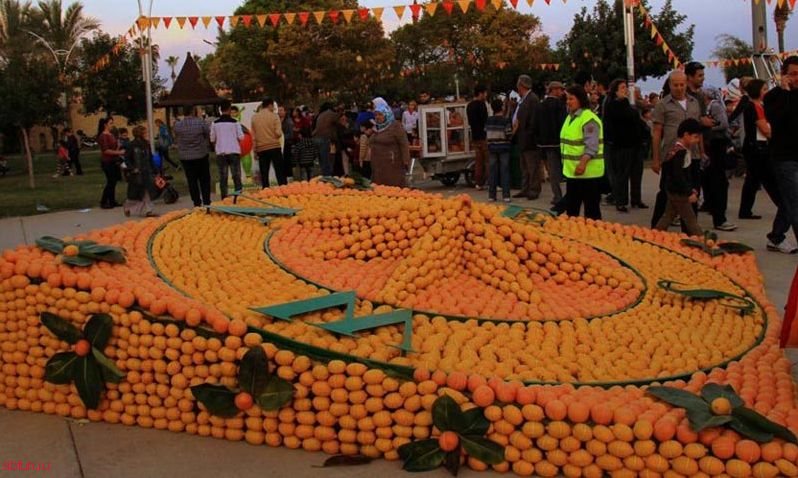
(390, 152)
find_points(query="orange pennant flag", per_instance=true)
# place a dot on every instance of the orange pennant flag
(530, 2)
(193, 21)
(348, 15)
(377, 12)
(289, 18)
(143, 23)
(400, 10)
(464, 4)
(319, 16)
(432, 7)
(234, 21)
(155, 21)
(181, 22)
(206, 21)
(261, 20)
(497, 4)
(781, 3)
(220, 21)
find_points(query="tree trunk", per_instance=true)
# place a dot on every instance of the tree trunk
(29, 158)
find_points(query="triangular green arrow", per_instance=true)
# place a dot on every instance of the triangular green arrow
(290, 309)
(512, 211)
(349, 326)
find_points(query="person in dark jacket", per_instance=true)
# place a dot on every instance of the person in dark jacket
(677, 182)
(140, 176)
(551, 116)
(622, 135)
(524, 127)
(477, 112)
(73, 148)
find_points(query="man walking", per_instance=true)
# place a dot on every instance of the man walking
(477, 112)
(226, 133)
(73, 148)
(550, 118)
(524, 126)
(191, 136)
(324, 134)
(266, 133)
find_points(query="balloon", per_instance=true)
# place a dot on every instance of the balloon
(246, 144)
(157, 161)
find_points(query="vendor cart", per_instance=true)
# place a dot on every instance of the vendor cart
(443, 151)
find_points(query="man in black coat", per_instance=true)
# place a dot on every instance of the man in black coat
(550, 118)
(524, 121)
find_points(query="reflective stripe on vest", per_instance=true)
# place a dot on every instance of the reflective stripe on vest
(572, 146)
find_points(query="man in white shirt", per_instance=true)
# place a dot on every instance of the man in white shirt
(226, 133)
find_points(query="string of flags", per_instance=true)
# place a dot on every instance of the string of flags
(658, 38)
(121, 42)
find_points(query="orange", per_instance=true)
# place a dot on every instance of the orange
(721, 406)
(82, 348)
(244, 401)
(449, 441)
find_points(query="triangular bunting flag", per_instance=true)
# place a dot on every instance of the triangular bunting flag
(792, 4)
(448, 5)
(261, 20)
(334, 14)
(303, 18)
(556, 67)
(155, 21)
(514, 3)
(206, 21)
(400, 10)
(289, 18)
(377, 12)
(143, 23)
(530, 2)
(665, 47)
(654, 31)
(497, 4)
(181, 22)
(432, 7)
(416, 10)
(781, 3)
(247, 19)
(348, 15)
(363, 13)
(480, 4)
(319, 16)
(548, 2)
(234, 21)
(274, 18)
(193, 21)
(220, 21)
(464, 4)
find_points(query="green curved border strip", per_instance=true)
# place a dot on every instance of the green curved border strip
(463, 318)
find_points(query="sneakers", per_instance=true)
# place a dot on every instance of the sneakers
(508, 200)
(726, 226)
(785, 247)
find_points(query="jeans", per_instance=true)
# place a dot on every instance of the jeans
(480, 147)
(499, 170)
(265, 160)
(198, 175)
(787, 179)
(583, 191)
(554, 164)
(323, 145)
(231, 163)
(622, 159)
(112, 176)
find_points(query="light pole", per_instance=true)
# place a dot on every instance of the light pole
(57, 55)
(147, 67)
(629, 33)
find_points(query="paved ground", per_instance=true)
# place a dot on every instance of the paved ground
(99, 450)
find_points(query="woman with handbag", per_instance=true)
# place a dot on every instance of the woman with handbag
(141, 186)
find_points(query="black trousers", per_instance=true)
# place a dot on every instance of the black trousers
(74, 164)
(715, 182)
(583, 191)
(756, 165)
(265, 160)
(622, 159)
(112, 176)
(198, 175)
(636, 175)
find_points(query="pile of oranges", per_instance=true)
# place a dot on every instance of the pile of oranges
(573, 302)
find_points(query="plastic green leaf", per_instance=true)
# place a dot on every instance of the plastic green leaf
(346, 460)
(482, 449)
(446, 415)
(711, 391)
(77, 261)
(61, 328)
(735, 248)
(452, 462)
(712, 421)
(50, 243)
(476, 423)
(108, 369)
(422, 455)
(218, 399)
(693, 243)
(253, 372)
(751, 420)
(277, 393)
(679, 398)
(98, 330)
(102, 252)
(60, 369)
(89, 381)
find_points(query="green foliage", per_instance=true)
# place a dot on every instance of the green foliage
(89, 252)
(596, 42)
(731, 47)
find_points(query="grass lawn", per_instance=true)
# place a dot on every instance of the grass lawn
(66, 192)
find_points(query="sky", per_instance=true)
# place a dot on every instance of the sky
(711, 18)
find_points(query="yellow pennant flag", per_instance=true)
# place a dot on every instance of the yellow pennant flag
(431, 7)
(261, 20)
(181, 22)
(234, 21)
(400, 10)
(206, 21)
(530, 2)
(665, 48)
(497, 4)
(348, 15)
(319, 16)
(377, 12)
(464, 4)
(155, 21)
(289, 18)
(653, 31)
(781, 3)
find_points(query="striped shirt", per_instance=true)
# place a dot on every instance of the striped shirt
(191, 136)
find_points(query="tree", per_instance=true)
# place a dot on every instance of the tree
(63, 29)
(596, 41)
(172, 61)
(780, 15)
(15, 19)
(490, 46)
(117, 88)
(731, 47)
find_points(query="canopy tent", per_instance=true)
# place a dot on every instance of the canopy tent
(190, 88)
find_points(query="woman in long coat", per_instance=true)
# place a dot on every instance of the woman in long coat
(390, 151)
(140, 176)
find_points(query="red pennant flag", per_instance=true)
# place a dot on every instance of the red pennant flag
(514, 3)
(792, 4)
(416, 9)
(363, 13)
(448, 5)
(333, 14)
(480, 4)
(303, 18)
(220, 21)
(193, 21)
(274, 18)
(167, 21)
(660, 41)
(548, 2)
(247, 19)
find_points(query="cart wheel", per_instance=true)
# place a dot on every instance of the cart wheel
(469, 177)
(450, 179)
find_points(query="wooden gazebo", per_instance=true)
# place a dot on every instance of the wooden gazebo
(190, 88)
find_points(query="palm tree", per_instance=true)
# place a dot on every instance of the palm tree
(780, 15)
(172, 62)
(62, 29)
(15, 19)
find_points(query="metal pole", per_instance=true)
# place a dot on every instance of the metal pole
(147, 60)
(759, 28)
(629, 31)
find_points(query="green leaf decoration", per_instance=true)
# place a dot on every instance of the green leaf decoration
(61, 328)
(346, 460)
(218, 399)
(735, 248)
(50, 243)
(446, 415)
(693, 243)
(61, 368)
(711, 391)
(98, 330)
(750, 419)
(108, 369)
(750, 431)
(89, 381)
(726, 299)
(422, 455)
(679, 398)
(77, 261)
(713, 421)
(253, 372)
(102, 252)
(452, 462)
(277, 393)
(476, 423)
(332, 180)
(484, 450)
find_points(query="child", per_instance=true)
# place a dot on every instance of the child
(366, 130)
(677, 179)
(499, 129)
(305, 153)
(62, 160)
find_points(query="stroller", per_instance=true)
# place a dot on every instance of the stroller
(162, 184)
